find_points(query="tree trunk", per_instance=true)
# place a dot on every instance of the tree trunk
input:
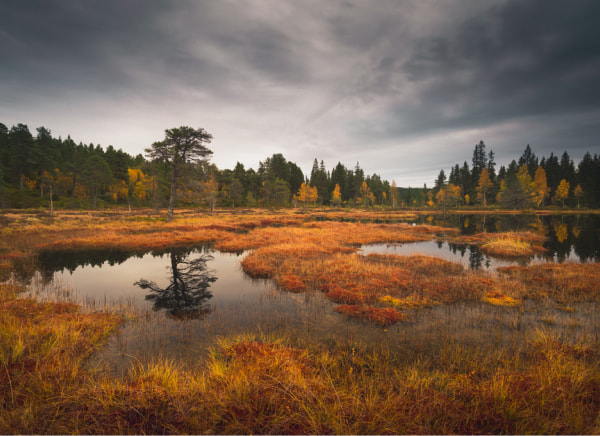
(172, 195)
(73, 189)
(51, 202)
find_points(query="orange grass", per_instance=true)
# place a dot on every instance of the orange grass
(408, 282)
(291, 282)
(70, 231)
(329, 233)
(564, 283)
(381, 316)
(42, 352)
(341, 295)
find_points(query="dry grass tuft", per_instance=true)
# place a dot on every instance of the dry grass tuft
(507, 244)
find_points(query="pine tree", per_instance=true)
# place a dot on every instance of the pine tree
(181, 146)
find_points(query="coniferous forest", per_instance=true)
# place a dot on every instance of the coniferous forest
(36, 167)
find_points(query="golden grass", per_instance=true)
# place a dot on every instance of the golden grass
(506, 244)
(43, 347)
(499, 299)
(251, 385)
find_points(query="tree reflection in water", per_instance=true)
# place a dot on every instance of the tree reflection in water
(187, 295)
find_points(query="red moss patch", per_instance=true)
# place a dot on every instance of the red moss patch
(341, 295)
(257, 268)
(386, 316)
(291, 282)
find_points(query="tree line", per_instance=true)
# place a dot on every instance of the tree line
(41, 170)
(529, 182)
(38, 169)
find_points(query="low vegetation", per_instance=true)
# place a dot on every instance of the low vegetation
(506, 244)
(542, 383)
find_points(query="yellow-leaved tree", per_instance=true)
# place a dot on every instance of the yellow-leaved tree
(366, 195)
(47, 180)
(578, 193)
(139, 187)
(393, 193)
(119, 191)
(307, 194)
(336, 197)
(540, 189)
(562, 192)
(484, 186)
(210, 191)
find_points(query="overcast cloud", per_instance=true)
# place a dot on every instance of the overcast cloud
(406, 88)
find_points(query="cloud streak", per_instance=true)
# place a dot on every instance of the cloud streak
(403, 87)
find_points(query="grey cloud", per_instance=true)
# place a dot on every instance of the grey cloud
(519, 59)
(362, 79)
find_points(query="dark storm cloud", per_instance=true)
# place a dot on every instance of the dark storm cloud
(119, 45)
(520, 59)
(54, 43)
(387, 83)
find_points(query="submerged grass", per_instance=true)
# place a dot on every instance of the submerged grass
(548, 383)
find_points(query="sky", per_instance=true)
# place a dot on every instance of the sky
(405, 88)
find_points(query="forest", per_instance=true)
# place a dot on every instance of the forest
(35, 170)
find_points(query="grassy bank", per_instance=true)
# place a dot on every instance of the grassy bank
(278, 383)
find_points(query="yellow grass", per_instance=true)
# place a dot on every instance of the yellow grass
(498, 299)
(506, 244)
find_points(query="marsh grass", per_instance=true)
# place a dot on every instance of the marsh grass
(505, 244)
(449, 365)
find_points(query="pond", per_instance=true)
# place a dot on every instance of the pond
(180, 302)
(573, 237)
(570, 238)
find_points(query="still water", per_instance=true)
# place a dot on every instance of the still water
(181, 302)
(569, 238)
(573, 237)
